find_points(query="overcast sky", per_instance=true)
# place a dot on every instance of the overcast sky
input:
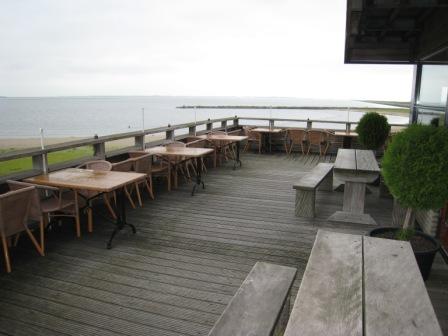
(186, 47)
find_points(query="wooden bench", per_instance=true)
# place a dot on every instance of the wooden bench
(355, 285)
(321, 176)
(261, 305)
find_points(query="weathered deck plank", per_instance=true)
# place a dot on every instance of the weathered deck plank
(187, 260)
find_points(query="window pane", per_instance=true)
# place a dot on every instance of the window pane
(434, 85)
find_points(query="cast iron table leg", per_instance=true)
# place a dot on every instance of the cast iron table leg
(121, 218)
(237, 159)
(199, 180)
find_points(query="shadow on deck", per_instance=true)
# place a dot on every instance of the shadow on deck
(188, 258)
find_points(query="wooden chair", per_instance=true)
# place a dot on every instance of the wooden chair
(181, 163)
(253, 138)
(318, 139)
(329, 139)
(297, 137)
(14, 211)
(142, 164)
(47, 203)
(159, 167)
(101, 165)
(127, 166)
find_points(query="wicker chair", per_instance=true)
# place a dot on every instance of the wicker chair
(297, 137)
(253, 137)
(127, 166)
(47, 203)
(14, 211)
(101, 165)
(158, 167)
(316, 138)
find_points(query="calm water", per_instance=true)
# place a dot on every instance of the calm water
(86, 116)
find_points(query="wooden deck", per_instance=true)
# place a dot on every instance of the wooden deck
(189, 256)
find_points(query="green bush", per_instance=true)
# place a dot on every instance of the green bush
(415, 167)
(373, 130)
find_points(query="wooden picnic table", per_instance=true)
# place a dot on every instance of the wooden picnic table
(357, 168)
(347, 138)
(229, 139)
(93, 180)
(267, 131)
(188, 152)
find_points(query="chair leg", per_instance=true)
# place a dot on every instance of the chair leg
(89, 220)
(6, 254)
(203, 167)
(149, 186)
(128, 195)
(43, 224)
(16, 239)
(34, 241)
(290, 148)
(77, 219)
(109, 207)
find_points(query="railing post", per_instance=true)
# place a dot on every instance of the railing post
(347, 127)
(169, 134)
(192, 130)
(271, 123)
(209, 125)
(224, 125)
(236, 122)
(40, 162)
(139, 141)
(99, 150)
(309, 124)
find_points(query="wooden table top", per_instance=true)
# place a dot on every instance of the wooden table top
(86, 179)
(266, 130)
(224, 137)
(180, 151)
(356, 160)
(344, 133)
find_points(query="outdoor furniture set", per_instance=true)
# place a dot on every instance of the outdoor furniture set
(29, 205)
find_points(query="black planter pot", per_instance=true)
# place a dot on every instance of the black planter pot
(424, 259)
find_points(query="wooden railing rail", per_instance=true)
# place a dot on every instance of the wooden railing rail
(40, 156)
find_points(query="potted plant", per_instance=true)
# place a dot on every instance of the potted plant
(415, 169)
(373, 130)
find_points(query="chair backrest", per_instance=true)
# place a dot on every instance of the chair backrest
(143, 164)
(176, 144)
(35, 212)
(98, 165)
(315, 136)
(198, 143)
(123, 166)
(14, 210)
(253, 135)
(297, 135)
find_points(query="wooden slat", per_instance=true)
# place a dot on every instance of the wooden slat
(345, 159)
(329, 301)
(366, 161)
(311, 180)
(396, 301)
(256, 306)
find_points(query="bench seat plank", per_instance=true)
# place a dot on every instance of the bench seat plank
(258, 303)
(312, 179)
(396, 300)
(329, 301)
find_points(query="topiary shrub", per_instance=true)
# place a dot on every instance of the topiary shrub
(373, 130)
(415, 167)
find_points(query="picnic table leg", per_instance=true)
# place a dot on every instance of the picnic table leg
(237, 159)
(199, 180)
(121, 221)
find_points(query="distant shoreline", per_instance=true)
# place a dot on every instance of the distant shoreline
(382, 110)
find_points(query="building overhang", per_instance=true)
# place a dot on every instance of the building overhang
(397, 32)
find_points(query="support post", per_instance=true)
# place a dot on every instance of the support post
(40, 161)
(224, 125)
(139, 141)
(169, 134)
(416, 85)
(309, 124)
(99, 150)
(236, 122)
(192, 130)
(209, 125)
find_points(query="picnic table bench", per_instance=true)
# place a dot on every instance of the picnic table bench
(357, 285)
(261, 305)
(321, 176)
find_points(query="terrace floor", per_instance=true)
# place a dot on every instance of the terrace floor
(188, 258)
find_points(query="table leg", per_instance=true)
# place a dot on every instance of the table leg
(237, 159)
(199, 180)
(121, 221)
(353, 207)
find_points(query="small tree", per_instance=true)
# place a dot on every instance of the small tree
(373, 130)
(415, 168)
